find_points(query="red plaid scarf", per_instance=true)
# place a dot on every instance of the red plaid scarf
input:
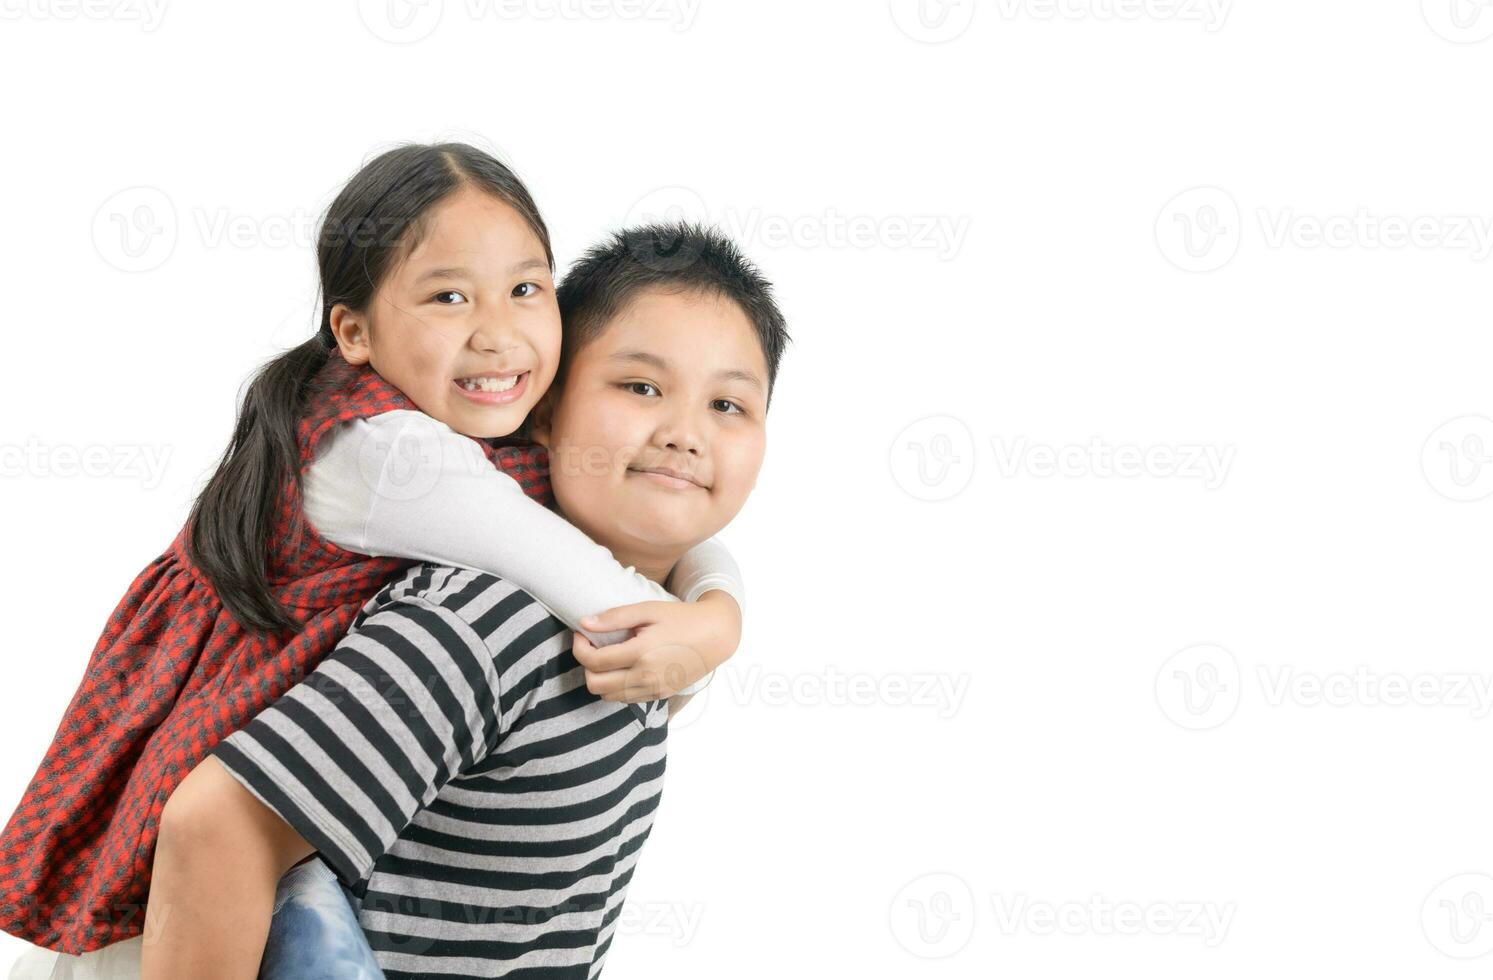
(173, 675)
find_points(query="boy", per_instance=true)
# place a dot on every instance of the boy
(476, 775)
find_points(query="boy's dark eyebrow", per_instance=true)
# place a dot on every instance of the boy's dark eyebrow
(654, 361)
(460, 272)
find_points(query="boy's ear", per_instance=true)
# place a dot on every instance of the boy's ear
(541, 418)
(350, 329)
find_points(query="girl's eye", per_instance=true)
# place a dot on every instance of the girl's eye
(449, 292)
(729, 405)
(634, 385)
(529, 289)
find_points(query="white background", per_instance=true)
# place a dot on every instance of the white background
(1165, 695)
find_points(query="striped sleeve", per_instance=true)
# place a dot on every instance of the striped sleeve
(351, 754)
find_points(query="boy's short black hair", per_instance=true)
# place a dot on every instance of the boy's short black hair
(680, 255)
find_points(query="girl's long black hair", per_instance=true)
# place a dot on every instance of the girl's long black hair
(375, 218)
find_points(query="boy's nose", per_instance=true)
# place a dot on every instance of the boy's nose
(681, 435)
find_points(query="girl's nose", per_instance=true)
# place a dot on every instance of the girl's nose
(494, 336)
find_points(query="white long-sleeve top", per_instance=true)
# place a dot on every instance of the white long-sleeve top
(405, 485)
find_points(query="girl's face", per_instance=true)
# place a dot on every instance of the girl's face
(466, 324)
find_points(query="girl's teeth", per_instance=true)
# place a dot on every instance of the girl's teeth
(488, 384)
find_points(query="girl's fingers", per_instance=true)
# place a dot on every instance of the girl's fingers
(624, 617)
(617, 656)
(613, 685)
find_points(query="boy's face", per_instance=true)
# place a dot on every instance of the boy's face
(675, 381)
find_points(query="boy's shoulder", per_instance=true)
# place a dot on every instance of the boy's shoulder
(508, 620)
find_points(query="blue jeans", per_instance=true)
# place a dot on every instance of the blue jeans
(314, 933)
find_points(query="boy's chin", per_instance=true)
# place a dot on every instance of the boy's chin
(664, 533)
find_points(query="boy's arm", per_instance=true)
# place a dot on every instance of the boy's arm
(297, 779)
(705, 568)
(214, 925)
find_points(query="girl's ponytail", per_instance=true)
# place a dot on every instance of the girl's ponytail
(234, 516)
(375, 218)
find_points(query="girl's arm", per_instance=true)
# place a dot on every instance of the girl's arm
(406, 485)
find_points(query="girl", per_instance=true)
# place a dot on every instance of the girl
(354, 454)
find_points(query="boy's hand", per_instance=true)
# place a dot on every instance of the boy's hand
(673, 645)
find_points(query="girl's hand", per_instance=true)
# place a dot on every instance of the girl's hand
(673, 645)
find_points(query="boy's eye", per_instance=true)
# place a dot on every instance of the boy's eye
(525, 289)
(634, 385)
(449, 292)
(729, 406)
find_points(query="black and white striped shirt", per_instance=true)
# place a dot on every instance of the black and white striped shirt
(484, 808)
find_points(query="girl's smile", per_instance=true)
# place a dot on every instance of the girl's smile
(492, 388)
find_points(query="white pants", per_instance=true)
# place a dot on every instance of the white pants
(314, 932)
(120, 961)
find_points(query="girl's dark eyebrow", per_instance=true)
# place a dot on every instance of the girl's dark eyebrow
(460, 272)
(450, 273)
(658, 363)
